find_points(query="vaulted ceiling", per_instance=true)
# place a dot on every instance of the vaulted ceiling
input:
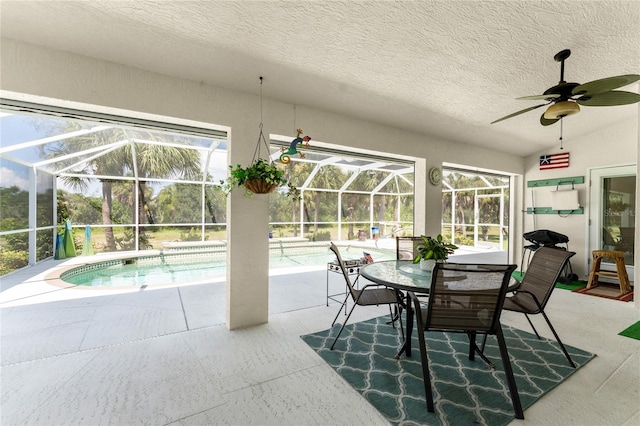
(446, 69)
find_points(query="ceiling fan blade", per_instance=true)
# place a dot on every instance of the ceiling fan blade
(546, 121)
(548, 97)
(611, 98)
(519, 112)
(605, 84)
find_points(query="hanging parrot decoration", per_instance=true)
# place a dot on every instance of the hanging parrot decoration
(285, 157)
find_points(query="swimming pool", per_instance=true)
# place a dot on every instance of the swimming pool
(183, 268)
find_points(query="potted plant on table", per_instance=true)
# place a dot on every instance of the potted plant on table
(433, 250)
(261, 177)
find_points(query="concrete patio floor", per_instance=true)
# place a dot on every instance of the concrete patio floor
(165, 357)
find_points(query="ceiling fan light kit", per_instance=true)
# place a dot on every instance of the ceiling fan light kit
(564, 97)
(561, 110)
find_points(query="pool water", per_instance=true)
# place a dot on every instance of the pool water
(140, 275)
(164, 270)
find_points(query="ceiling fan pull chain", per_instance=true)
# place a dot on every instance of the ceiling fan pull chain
(561, 133)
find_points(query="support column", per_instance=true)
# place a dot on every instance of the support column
(247, 242)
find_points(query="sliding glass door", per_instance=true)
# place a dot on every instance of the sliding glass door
(612, 212)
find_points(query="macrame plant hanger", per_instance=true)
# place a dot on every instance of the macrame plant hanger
(261, 138)
(258, 186)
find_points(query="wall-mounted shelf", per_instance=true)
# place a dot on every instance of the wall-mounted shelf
(549, 210)
(575, 180)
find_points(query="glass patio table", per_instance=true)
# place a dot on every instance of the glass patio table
(407, 276)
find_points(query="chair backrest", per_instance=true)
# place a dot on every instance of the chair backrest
(406, 247)
(543, 272)
(466, 297)
(343, 268)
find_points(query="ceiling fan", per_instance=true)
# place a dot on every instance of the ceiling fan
(565, 98)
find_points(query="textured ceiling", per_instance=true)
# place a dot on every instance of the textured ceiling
(441, 68)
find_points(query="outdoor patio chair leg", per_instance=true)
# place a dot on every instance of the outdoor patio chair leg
(426, 375)
(340, 310)
(531, 324)
(393, 318)
(511, 381)
(564, 350)
(475, 349)
(399, 310)
(343, 324)
(396, 316)
(472, 344)
(484, 343)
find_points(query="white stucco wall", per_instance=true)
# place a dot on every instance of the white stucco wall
(612, 146)
(60, 78)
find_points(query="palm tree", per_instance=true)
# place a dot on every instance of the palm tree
(159, 161)
(297, 173)
(155, 160)
(326, 177)
(109, 164)
(367, 181)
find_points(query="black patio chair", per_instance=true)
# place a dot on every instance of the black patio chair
(470, 304)
(531, 297)
(368, 296)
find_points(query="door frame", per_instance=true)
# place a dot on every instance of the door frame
(593, 222)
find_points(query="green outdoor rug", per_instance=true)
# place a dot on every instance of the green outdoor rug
(465, 392)
(572, 285)
(633, 331)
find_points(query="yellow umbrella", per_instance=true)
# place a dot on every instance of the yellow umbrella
(87, 248)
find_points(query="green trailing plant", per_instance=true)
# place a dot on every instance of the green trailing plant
(434, 248)
(260, 170)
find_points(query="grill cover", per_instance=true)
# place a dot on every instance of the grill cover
(545, 237)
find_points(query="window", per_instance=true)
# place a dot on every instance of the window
(475, 209)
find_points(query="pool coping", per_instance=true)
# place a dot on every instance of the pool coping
(54, 276)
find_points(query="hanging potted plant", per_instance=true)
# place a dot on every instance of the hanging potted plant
(264, 176)
(261, 177)
(433, 250)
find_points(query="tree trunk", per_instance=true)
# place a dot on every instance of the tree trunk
(461, 221)
(351, 214)
(294, 218)
(316, 212)
(107, 203)
(382, 208)
(144, 216)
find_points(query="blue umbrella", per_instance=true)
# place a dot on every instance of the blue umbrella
(87, 248)
(59, 252)
(67, 240)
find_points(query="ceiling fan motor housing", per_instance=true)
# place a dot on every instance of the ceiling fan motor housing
(561, 109)
(563, 89)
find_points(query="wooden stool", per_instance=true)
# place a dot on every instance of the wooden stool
(621, 274)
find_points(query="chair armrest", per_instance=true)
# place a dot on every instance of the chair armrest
(533, 296)
(513, 288)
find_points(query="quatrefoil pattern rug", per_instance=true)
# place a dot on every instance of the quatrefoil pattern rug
(465, 392)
